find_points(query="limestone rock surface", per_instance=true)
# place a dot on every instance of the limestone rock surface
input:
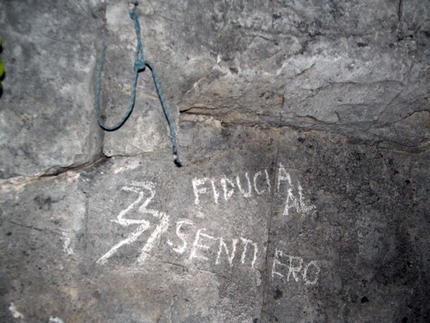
(282, 226)
(303, 127)
(355, 68)
(46, 114)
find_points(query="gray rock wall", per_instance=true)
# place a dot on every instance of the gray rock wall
(303, 127)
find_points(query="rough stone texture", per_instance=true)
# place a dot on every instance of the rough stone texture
(354, 221)
(357, 68)
(303, 127)
(367, 232)
(46, 115)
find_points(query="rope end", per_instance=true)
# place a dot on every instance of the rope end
(178, 161)
(132, 13)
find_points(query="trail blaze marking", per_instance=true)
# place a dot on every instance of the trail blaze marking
(143, 225)
(198, 244)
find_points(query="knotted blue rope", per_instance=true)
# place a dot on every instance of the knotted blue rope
(139, 66)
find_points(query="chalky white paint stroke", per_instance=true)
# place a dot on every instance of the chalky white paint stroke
(246, 242)
(196, 183)
(67, 242)
(181, 236)
(143, 224)
(196, 245)
(229, 185)
(239, 186)
(295, 265)
(227, 193)
(15, 313)
(55, 319)
(317, 274)
(285, 176)
(221, 247)
(150, 243)
(269, 186)
(291, 201)
(216, 194)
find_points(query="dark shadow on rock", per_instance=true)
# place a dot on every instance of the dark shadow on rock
(2, 77)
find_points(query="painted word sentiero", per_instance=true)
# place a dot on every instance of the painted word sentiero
(226, 250)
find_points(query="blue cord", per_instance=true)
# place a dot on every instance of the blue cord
(139, 66)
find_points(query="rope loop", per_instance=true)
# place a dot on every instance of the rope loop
(139, 66)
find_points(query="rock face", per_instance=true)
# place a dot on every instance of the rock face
(303, 127)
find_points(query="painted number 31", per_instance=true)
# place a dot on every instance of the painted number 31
(123, 219)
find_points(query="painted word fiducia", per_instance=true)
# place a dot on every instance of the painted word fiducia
(259, 182)
(248, 185)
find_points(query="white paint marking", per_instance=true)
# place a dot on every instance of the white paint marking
(181, 236)
(269, 186)
(227, 194)
(304, 208)
(283, 175)
(246, 242)
(196, 183)
(216, 194)
(294, 267)
(67, 242)
(305, 273)
(151, 188)
(159, 230)
(15, 313)
(126, 222)
(131, 238)
(196, 245)
(222, 245)
(294, 270)
(291, 202)
(55, 319)
(255, 184)
(300, 204)
(239, 186)
(200, 214)
(276, 261)
(201, 185)
(143, 224)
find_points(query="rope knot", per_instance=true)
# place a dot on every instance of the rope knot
(139, 65)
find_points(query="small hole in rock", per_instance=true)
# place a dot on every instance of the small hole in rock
(278, 294)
